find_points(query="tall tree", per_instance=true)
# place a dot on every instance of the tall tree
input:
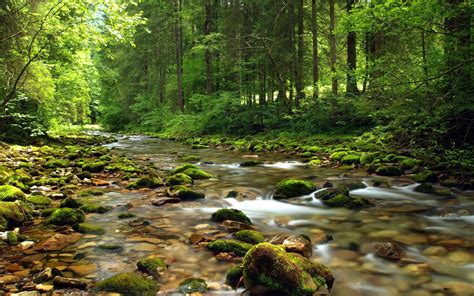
(179, 54)
(314, 29)
(332, 45)
(351, 86)
(300, 58)
(208, 54)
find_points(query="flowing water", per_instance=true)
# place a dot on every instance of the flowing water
(435, 232)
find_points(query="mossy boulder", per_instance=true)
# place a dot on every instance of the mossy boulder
(386, 170)
(98, 209)
(13, 214)
(183, 168)
(94, 167)
(189, 158)
(230, 214)
(151, 265)
(249, 236)
(408, 163)
(70, 202)
(179, 179)
(57, 163)
(197, 174)
(128, 284)
(192, 285)
(146, 182)
(425, 176)
(11, 193)
(292, 188)
(428, 188)
(66, 216)
(351, 159)
(229, 246)
(234, 276)
(38, 200)
(89, 228)
(268, 269)
(250, 163)
(185, 193)
(126, 216)
(338, 155)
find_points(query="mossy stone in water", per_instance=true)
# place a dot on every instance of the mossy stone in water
(11, 193)
(270, 269)
(388, 171)
(151, 265)
(197, 174)
(230, 214)
(66, 216)
(428, 188)
(350, 159)
(89, 228)
(89, 208)
(192, 285)
(426, 176)
(14, 214)
(94, 167)
(292, 188)
(185, 193)
(337, 156)
(189, 158)
(70, 202)
(229, 246)
(250, 236)
(128, 284)
(179, 179)
(234, 276)
(57, 163)
(38, 200)
(251, 163)
(12, 238)
(126, 215)
(114, 248)
(184, 167)
(408, 163)
(146, 182)
(339, 200)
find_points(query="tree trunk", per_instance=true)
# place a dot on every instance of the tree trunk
(294, 57)
(314, 29)
(351, 86)
(208, 54)
(300, 59)
(332, 46)
(179, 47)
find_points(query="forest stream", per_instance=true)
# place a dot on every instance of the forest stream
(435, 232)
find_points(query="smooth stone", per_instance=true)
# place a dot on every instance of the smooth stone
(62, 282)
(202, 226)
(58, 242)
(234, 226)
(434, 251)
(460, 257)
(83, 270)
(44, 288)
(157, 202)
(26, 245)
(417, 269)
(9, 279)
(13, 267)
(384, 234)
(298, 244)
(410, 239)
(27, 293)
(87, 245)
(389, 251)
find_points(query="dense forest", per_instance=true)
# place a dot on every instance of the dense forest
(190, 67)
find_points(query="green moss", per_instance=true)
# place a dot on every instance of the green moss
(128, 284)
(250, 236)
(94, 167)
(90, 208)
(91, 192)
(425, 176)
(315, 161)
(350, 159)
(120, 167)
(151, 265)
(183, 168)
(230, 214)
(70, 203)
(428, 188)
(114, 248)
(270, 267)
(66, 216)
(192, 285)
(292, 188)
(366, 158)
(149, 181)
(25, 165)
(57, 163)
(339, 200)
(388, 171)
(179, 179)
(408, 163)
(230, 246)
(234, 276)
(126, 215)
(251, 163)
(89, 228)
(12, 238)
(38, 200)
(337, 156)
(197, 174)
(185, 193)
(11, 193)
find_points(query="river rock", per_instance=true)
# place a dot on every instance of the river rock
(234, 226)
(26, 245)
(27, 293)
(434, 251)
(62, 282)
(58, 242)
(299, 244)
(157, 202)
(83, 270)
(389, 251)
(45, 275)
(44, 288)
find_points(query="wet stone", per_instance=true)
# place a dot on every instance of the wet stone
(389, 251)
(158, 202)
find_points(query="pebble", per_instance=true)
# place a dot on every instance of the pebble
(44, 288)
(434, 251)
(384, 234)
(459, 257)
(9, 279)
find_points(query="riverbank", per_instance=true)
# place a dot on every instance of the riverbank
(427, 235)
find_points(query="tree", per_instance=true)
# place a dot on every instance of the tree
(314, 31)
(332, 46)
(179, 56)
(351, 86)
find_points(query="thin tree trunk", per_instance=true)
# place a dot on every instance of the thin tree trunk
(351, 86)
(208, 54)
(300, 60)
(332, 45)
(179, 47)
(314, 29)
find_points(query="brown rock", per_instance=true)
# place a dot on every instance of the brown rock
(389, 251)
(83, 270)
(62, 282)
(158, 202)
(58, 242)
(299, 244)
(234, 226)
(9, 279)
(98, 182)
(13, 267)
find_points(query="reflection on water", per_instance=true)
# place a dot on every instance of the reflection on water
(435, 232)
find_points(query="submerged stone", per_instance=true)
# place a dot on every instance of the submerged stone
(151, 265)
(292, 188)
(270, 269)
(230, 214)
(179, 179)
(128, 284)
(192, 285)
(89, 229)
(11, 193)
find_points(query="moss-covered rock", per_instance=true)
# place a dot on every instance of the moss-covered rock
(126, 215)
(12, 238)
(189, 158)
(425, 176)
(149, 181)
(249, 236)
(197, 174)
(183, 168)
(366, 158)
(408, 163)
(91, 192)
(386, 170)
(112, 248)
(250, 163)
(94, 167)
(234, 276)
(14, 214)
(338, 155)
(128, 284)
(185, 193)
(269, 269)
(91, 208)
(292, 188)
(339, 200)
(70, 202)
(66, 216)
(38, 200)
(89, 228)
(230, 214)
(57, 163)
(11, 193)
(351, 159)
(120, 167)
(192, 285)
(179, 179)
(229, 246)
(428, 188)
(151, 265)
